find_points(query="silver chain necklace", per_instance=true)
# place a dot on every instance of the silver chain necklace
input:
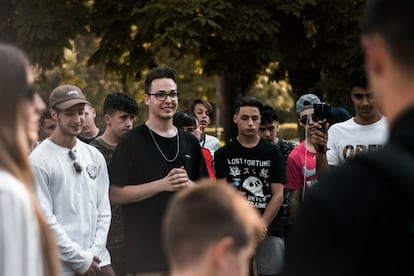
(159, 149)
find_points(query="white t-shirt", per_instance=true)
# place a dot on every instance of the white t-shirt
(76, 205)
(20, 250)
(211, 143)
(348, 139)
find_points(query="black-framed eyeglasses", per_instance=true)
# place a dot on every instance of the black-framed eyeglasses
(76, 165)
(162, 95)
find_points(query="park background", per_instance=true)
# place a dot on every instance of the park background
(275, 50)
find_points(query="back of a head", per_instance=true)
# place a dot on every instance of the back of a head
(183, 118)
(248, 101)
(14, 91)
(394, 22)
(13, 82)
(159, 73)
(337, 115)
(120, 101)
(200, 216)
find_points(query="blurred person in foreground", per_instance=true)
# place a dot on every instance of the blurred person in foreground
(207, 241)
(27, 246)
(358, 220)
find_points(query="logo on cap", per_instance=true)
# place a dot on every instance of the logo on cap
(66, 96)
(73, 92)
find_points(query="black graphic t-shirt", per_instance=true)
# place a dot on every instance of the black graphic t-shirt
(251, 170)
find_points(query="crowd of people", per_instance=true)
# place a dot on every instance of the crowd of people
(166, 198)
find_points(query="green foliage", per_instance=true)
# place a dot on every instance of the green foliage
(325, 41)
(44, 28)
(93, 80)
(314, 43)
(226, 35)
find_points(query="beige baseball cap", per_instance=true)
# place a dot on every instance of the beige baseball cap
(66, 96)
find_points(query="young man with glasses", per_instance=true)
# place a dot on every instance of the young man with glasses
(366, 131)
(150, 163)
(72, 188)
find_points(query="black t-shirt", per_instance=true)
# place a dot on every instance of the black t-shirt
(252, 171)
(137, 160)
(89, 140)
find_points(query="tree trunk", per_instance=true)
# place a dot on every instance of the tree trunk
(229, 92)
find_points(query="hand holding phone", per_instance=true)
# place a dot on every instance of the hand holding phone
(321, 113)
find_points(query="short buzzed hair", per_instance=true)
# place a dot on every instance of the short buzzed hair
(120, 101)
(248, 101)
(268, 115)
(202, 215)
(358, 77)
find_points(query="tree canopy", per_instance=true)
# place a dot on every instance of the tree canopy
(313, 42)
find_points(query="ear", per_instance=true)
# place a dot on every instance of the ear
(300, 123)
(222, 252)
(53, 114)
(235, 118)
(146, 98)
(374, 49)
(107, 119)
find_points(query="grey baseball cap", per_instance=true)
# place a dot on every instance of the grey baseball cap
(306, 102)
(66, 96)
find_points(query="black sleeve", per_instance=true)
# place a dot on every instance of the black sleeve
(220, 163)
(279, 172)
(121, 164)
(200, 170)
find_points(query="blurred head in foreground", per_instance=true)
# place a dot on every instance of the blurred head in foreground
(210, 229)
